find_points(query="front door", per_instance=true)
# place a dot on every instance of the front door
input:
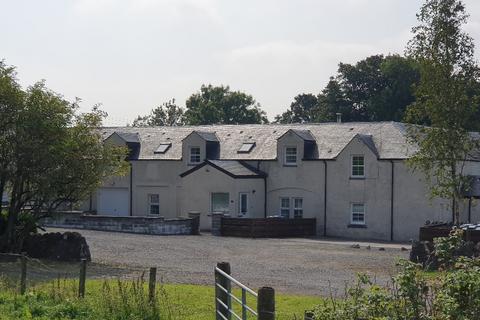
(220, 202)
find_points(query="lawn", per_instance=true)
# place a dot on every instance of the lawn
(115, 299)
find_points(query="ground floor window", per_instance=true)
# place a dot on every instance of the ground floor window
(358, 213)
(243, 204)
(220, 202)
(285, 207)
(154, 203)
(298, 207)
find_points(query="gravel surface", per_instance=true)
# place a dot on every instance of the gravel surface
(302, 266)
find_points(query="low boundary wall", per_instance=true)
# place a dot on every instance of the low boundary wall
(267, 228)
(130, 224)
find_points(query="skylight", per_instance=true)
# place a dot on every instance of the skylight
(246, 147)
(163, 147)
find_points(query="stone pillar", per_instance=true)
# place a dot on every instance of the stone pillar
(195, 216)
(217, 223)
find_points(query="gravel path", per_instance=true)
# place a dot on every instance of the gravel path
(302, 266)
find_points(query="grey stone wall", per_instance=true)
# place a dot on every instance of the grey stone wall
(143, 225)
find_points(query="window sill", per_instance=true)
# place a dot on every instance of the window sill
(357, 178)
(359, 226)
(290, 165)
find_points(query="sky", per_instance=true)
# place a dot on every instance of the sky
(133, 55)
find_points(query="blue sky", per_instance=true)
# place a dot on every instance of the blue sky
(131, 55)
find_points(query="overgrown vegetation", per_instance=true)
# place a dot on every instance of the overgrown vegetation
(122, 300)
(453, 294)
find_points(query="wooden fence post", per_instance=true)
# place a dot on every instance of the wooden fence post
(83, 274)
(222, 295)
(23, 274)
(266, 303)
(151, 284)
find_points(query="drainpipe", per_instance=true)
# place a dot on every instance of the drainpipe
(392, 181)
(470, 210)
(131, 189)
(325, 200)
(90, 203)
(265, 196)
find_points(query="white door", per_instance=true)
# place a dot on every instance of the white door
(112, 202)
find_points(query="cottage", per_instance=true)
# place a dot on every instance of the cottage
(351, 177)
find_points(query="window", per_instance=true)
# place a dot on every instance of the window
(246, 147)
(290, 156)
(163, 147)
(285, 207)
(154, 203)
(358, 167)
(243, 204)
(220, 202)
(194, 155)
(358, 213)
(297, 207)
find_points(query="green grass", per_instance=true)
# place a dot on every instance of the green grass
(122, 300)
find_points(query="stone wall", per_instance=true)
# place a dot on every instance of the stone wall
(143, 225)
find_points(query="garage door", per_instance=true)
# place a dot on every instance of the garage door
(112, 202)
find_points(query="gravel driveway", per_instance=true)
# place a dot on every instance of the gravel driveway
(302, 266)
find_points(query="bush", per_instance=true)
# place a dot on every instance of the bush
(453, 295)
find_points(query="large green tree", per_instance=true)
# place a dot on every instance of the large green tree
(168, 114)
(377, 88)
(220, 105)
(445, 98)
(52, 155)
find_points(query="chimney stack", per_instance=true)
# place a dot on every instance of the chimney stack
(339, 117)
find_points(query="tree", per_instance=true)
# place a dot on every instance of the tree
(302, 109)
(168, 114)
(220, 105)
(55, 157)
(444, 99)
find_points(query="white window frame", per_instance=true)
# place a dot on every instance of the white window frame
(240, 195)
(352, 166)
(282, 208)
(190, 154)
(151, 204)
(359, 223)
(211, 202)
(297, 208)
(288, 163)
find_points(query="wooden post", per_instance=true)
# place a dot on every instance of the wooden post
(266, 303)
(151, 284)
(83, 274)
(23, 274)
(222, 295)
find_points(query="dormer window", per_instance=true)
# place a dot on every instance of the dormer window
(290, 156)
(194, 155)
(162, 148)
(358, 166)
(246, 147)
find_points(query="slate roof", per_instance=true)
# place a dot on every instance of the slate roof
(233, 168)
(131, 137)
(387, 138)
(304, 134)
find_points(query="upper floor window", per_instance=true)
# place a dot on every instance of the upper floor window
(358, 166)
(358, 213)
(194, 155)
(154, 204)
(290, 156)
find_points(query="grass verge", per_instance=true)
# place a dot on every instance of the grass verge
(121, 299)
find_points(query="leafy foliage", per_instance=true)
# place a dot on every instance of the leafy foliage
(377, 88)
(220, 105)
(446, 98)
(168, 114)
(51, 154)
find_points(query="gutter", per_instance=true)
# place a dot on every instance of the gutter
(325, 200)
(392, 183)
